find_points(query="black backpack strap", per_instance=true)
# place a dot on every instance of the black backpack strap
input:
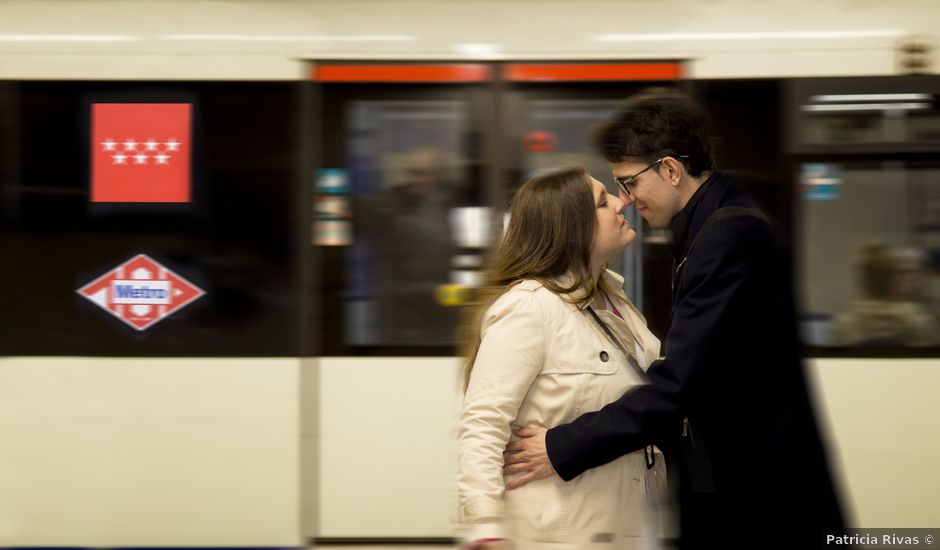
(728, 212)
(718, 215)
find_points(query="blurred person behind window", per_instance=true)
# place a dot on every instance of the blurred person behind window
(889, 312)
(416, 247)
(910, 274)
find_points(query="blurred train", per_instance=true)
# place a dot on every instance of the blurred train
(339, 169)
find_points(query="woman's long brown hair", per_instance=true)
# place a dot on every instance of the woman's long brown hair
(552, 224)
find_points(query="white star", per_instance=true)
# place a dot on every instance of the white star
(119, 159)
(140, 159)
(141, 274)
(108, 144)
(130, 145)
(161, 159)
(151, 144)
(172, 145)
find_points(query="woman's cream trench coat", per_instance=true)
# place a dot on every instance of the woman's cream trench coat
(542, 362)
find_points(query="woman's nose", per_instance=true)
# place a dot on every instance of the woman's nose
(620, 204)
(625, 198)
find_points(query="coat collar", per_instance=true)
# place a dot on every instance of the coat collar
(632, 321)
(706, 199)
(613, 280)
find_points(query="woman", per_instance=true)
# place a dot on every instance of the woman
(552, 337)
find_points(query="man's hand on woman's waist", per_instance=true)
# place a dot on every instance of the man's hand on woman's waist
(528, 456)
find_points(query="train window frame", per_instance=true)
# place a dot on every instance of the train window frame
(799, 92)
(325, 313)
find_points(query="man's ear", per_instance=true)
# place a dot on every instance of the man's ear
(674, 170)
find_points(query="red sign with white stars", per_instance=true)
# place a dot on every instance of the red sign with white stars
(140, 152)
(140, 292)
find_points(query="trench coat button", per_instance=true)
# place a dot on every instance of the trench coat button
(604, 356)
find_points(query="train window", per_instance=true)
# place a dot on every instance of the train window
(429, 158)
(422, 185)
(867, 210)
(419, 216)
(556, 132)
(870, 246)
(415, 212)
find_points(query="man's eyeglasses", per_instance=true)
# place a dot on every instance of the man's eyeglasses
(627, 182)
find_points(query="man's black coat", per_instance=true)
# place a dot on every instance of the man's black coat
(729, 399)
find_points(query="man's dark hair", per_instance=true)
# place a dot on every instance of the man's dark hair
(655, 123)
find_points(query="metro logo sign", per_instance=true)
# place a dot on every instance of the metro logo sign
(140, 152)
(140, 292)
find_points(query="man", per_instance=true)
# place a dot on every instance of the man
(729, 400)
